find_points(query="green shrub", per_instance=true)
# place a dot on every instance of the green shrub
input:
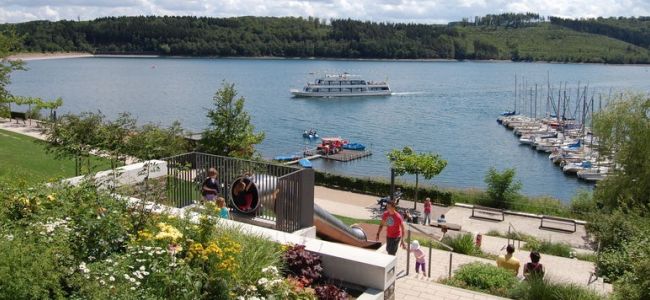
(583, 203)
(548, 247)
(483, 277)
(542, 289)
(463, 244)
(501, 188)
(380, 187)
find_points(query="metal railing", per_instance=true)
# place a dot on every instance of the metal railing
(282, 195)
(514, 230)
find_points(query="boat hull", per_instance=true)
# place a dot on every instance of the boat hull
(301, 94)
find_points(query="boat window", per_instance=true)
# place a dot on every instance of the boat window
(319, 81)
(384, 88)
(316, 90)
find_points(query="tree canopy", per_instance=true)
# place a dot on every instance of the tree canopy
(9, 43)
(623, 129)
(499, 36)
(408, 161)
(231, 132)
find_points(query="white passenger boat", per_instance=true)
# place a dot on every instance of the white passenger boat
(342, 85)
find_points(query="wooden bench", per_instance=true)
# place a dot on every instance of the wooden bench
(19, 116)
(558, 222)
(450, 226)
(488, 213)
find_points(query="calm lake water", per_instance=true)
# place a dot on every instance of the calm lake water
(444, 107)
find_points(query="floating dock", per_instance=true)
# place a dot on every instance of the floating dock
(343, 155)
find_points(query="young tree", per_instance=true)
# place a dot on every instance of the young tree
(624, 132)
(501, 187)
(407, 161)
(75, 136)
(230, 132)
(115, 137)
(9, 43)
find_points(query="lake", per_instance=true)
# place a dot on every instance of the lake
(446, 107)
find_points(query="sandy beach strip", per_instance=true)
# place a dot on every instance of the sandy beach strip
(40, 56)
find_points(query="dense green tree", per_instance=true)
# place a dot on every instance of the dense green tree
(623, 129)
(9, 43)
(230, 132)
(408, 161)
(501, 188)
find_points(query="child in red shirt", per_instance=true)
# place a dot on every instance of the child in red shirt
(394, 228)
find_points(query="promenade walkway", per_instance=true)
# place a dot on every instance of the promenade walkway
(559, 269)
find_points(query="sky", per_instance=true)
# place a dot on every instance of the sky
(416, 11)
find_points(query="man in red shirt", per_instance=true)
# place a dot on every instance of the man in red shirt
(394, 228)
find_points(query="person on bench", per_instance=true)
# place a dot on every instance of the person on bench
(441, 219)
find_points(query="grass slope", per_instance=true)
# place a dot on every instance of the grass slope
(23, 158)
(547, 42)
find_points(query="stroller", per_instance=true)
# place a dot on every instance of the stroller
(383, 201)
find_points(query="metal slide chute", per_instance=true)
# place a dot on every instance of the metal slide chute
(332, 228)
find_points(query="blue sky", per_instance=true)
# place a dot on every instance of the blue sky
(418, 11)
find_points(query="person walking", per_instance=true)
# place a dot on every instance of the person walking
(427, 211)
(420, 262)
(394, 224)
(508, 261)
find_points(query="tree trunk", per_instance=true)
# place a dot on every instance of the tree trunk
(415, 200)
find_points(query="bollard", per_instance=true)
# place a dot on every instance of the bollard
(450, 254)
(408, 252)
(429, 265)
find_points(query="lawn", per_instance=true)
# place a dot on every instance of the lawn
(25, 158)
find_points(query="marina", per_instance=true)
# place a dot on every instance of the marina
(563, 132)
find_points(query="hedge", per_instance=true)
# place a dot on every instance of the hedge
(378, 187)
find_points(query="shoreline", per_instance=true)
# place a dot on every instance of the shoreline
(28, 56)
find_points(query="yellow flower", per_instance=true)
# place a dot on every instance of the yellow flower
(51, 197)
(144, 235)
(168, 232)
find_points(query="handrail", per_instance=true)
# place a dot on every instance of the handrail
(516, 232)
(436, 241)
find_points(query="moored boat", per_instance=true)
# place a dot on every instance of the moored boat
(286, 157)
(305, 163)
(354, 146)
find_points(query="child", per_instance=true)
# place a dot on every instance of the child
(419, 257)
(427, 211)
(223, 210)
(210, 187)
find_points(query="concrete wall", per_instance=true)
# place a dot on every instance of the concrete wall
(126, 175)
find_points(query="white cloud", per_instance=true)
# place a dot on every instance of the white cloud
(420, 11)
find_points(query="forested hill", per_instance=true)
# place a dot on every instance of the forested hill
(527, 37)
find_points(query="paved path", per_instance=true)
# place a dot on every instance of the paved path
(362, 207)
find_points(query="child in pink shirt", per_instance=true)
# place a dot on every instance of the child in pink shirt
(420, 262)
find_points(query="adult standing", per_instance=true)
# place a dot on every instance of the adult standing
(427, 211)
(394, 224)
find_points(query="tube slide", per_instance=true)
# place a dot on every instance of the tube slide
(332, 228)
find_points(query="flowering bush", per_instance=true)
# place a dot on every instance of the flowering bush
(78, 242)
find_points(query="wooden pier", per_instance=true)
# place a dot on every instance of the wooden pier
(347, 155)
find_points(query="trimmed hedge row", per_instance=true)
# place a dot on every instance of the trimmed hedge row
(381, 188)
